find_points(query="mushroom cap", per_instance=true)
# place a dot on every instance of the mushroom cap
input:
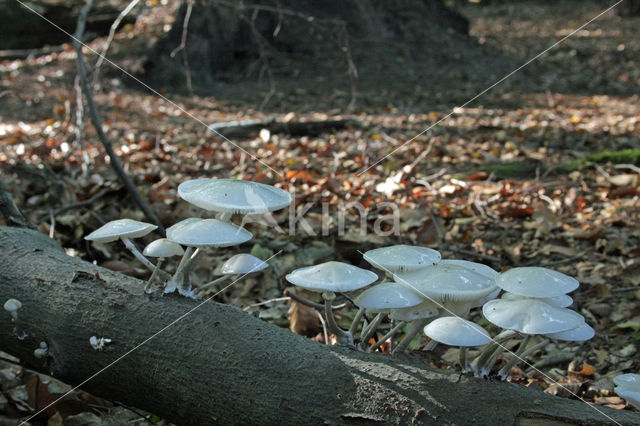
(183, 222)
(332, 276)
(479, 268)
(233, 195)
(162, 247)
(534, 281)
(485, 299)
(387, 295)
(402, 258)
(243, 263)
(455, 331)
(447, 282)
(561, 301)
(579, 334)
(209, 233)
(529, 316)
(628, 387)
(121, 228)
(12, 305)
(426, 309)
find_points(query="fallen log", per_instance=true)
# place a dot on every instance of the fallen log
(217, 364)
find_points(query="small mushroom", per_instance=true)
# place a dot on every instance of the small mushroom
(160, 248)
(42, 351)
(98, 343)
(382, 298)
(196, 234)
(12, 306)
(628, 387)
(125, 230)
(329, 278)
(455, 331)
(239, 265)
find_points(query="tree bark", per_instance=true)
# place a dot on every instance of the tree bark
(221, 365)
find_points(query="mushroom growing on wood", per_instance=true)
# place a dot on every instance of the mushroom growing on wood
(196, 234)
(453, 288)
(12, 306)
(330, 278)
(239, 265)
(628, 387)
(124, 229)
(160, 248)
(455, 331)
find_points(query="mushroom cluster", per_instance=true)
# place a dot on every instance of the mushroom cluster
(189, 237)
(419, 292)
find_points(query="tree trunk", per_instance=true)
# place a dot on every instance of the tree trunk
(221, 365)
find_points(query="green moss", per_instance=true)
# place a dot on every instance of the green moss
(520, 169)
(631, 156)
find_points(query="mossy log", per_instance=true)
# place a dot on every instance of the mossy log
(220, 365)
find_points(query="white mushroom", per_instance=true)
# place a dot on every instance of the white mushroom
(382, 298)
(453, 288)
(455, 331)
(560, 301)
(12, 306)
(525, 316)
(329, 278)
(196, 234)
(160, 248)
(533, 281)
(402, 258)
(42, 351)
(124, 229)
(628, 387)
(230, 196)
(237, 265)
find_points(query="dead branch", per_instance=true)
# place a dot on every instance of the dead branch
(97, 123)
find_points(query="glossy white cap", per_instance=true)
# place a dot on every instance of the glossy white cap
(455, 331)
(162, 247)
(233, 196)
(243, 263)
(209, 233)
(121, 228)
(332, 276)
(402, 258)
(534, 281)
(530, 316)
(387, 295)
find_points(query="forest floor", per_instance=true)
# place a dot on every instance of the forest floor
(546, 176)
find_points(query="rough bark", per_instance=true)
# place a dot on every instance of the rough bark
(220, 365)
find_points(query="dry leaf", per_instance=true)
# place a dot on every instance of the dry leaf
(303, 319)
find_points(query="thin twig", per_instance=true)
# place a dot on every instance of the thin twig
(266, 302)
(97, 124)
(112, 33)
(561, 261)
(625, 289)
(79, 204)
(183, 44)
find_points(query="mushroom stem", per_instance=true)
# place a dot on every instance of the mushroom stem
(414, 328)
(368, 331)
(463, 359)
(213, 283)
(520, 355)
(344, 337)
(224, 216)
(387, 336)
(133, 249)
(477, 365)
(356, 321)
(154, 274)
